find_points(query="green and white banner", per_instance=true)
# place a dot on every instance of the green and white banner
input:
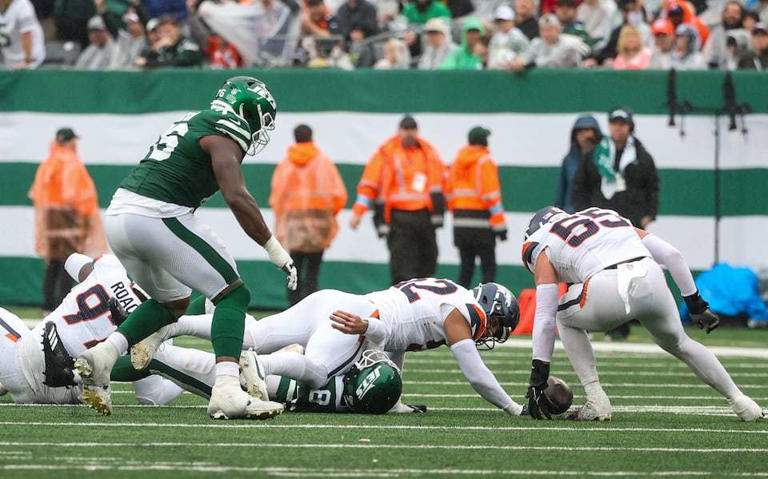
(118, 115)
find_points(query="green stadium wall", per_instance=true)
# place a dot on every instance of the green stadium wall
(118, 114)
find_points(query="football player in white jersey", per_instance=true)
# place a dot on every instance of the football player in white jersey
(37, 367)
(614, 276)
(334, 327)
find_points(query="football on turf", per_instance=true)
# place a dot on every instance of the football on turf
(559, 394)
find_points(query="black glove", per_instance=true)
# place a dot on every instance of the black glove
(700, 313)
(538, 404)
(501, 234)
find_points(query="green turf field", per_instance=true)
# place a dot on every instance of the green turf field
(665, 423)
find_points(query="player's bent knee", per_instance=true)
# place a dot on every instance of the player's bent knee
(177, 307)
(237, 297)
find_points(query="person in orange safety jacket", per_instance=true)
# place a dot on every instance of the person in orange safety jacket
(307, 194)
(403, 183)
(474, 197)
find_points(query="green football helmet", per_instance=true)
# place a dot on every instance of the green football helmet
(373, 385)
(249, 99)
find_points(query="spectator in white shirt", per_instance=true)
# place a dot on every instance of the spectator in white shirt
(21, 37)
(663, 42)
(553, 50)
(599, 19)
(509, 48)
(437, 44)
(101, 47)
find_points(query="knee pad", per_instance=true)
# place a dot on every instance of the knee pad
(239, 298)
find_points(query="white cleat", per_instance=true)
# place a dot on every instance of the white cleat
(253, 373)
(747, 409)
(143, 351)
(402, 408)
(595, 409)
(229, 401)
(3, 390)
(94, 367)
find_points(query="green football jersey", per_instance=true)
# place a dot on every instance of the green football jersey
(299, 397)
(176, 169)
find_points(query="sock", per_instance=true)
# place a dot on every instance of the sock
(124, 371)
(198, 326)
(119, 341)
(594, 390)
(145, 320)
(227, 368)
(295, 366)
(197, 306)
(191, 369)
(229, 323)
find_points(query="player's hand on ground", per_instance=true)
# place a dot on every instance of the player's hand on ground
(292, 275)
(348, 323)
(538, 403)
(706, 320)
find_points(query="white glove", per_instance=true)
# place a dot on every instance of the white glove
(280, 258)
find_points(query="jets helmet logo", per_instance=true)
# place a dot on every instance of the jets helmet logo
(367, 383)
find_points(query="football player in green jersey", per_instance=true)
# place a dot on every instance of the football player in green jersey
(152, 228)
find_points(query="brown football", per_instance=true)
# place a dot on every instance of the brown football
(559, 394)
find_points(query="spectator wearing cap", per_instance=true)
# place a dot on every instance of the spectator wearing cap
(129, 35)
(553, 50)
(632, 53)
(663, 43)
(598, 18)
(619, 174)
(66, 214)
(757, 58)
(465, 57)
(686, 55)
(419, 12)
(525, 18)
(566, 13)
(21, 36)
(171, 49)
(357, 18)
(632, 15)
(98, 54)
(437, 45)
(396, 56)
(403, 181)
(682, 12)
(715, 49)
(473, 195)
(509, 48)
(585, 134)
(306, 195)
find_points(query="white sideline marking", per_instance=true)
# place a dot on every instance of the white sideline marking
(606, 364)
(377, 426)
(325, 472)
(686, 372)
(644, 348)
(577, 396)
(615, 385)
(397, 446)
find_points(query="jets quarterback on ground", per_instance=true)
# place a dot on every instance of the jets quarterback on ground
(152, 228)
(335, 327)
(614, 276)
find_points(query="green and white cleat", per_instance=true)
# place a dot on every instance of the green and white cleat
(143, 351)
(94, 367)
(253, 373)
(229, 401)
(747, 409)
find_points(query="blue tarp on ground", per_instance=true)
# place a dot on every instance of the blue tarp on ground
(730, 291)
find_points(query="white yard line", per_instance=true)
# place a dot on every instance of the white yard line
(609, 385)
(264, 425)
(577, 396)
(682, 373)
(480, 447)
(333, 472)
(604, 364)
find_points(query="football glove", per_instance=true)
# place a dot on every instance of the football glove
(501, 234)
(292, 275)
(538, 404)
(701, 315)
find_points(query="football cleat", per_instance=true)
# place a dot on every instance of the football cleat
(143, 351)
(747, 409)
(595, 409)
(401, 408)
(3, 390)
(253, 373)
(94, 367)
(229, 401)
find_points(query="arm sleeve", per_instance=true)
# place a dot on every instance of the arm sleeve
(378, 331)
(666, 254)
(544, 322)
(369, 186)
(481, 378)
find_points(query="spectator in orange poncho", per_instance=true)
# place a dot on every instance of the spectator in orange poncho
(682, 12)
(66, 215)
(307, 193)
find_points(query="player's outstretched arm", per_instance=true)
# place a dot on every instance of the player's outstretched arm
(483, 381)
(375, 330)
(543, 336)
(669, 256)
(226, 156)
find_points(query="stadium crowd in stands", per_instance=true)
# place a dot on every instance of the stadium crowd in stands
(509, 35)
